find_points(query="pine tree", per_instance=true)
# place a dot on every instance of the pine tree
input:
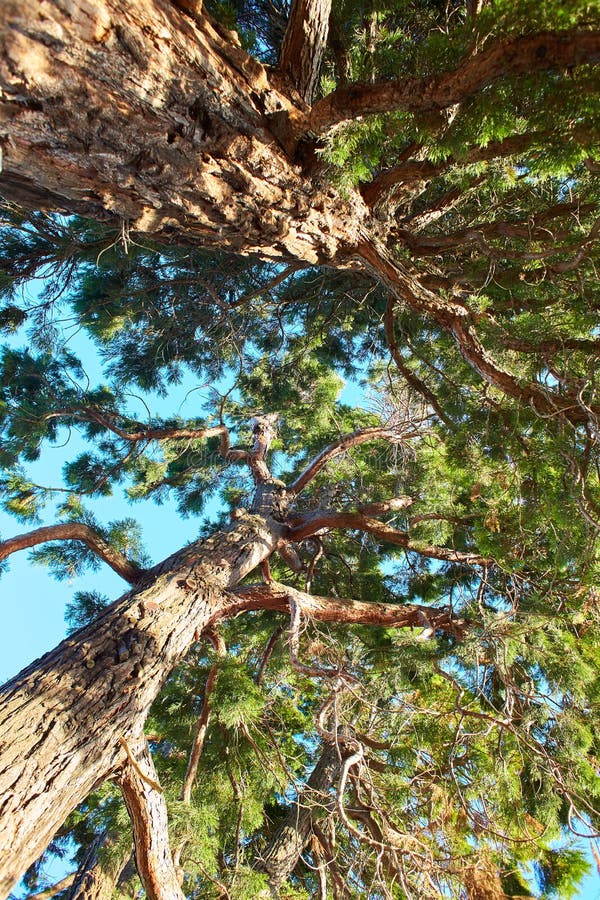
(422, 218)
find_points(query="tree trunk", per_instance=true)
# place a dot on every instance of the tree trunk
(141, 113)
(61, 718)
(283, 851)
(304, 45)
(96, 877)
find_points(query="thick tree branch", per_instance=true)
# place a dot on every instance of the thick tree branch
(276, 596)
(341, 446)
(148, 811)
(75, 531)
(304, 45)
(70, 692)
(502, 58)
(327, 520)
(456, 319)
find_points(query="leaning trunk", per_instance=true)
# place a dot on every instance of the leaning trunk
(71, 711)
(280, 857)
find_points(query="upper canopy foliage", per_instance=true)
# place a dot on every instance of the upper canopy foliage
(480, 737)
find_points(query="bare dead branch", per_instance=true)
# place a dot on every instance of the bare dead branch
(505, 57)
(201, 726)
(294, 645)
(264, 662)
(528, 230)
(148, 811)
(341, 446)
(75, 531)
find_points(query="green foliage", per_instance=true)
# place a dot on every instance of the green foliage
(481, 742)
(84, 608)
(237, 700)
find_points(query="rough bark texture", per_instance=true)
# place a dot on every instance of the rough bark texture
(283, 851)
(148, 813)
(140, 112)
(304, 45)
(62, 718)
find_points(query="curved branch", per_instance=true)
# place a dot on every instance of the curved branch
(75, 531)
(327, 520)
(456, 319)
(504, 57)
(353, 439)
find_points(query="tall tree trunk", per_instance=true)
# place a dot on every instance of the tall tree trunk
(304, 45)
(139, 112)
(61, 718)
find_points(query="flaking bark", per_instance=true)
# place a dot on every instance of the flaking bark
(142, 114)
(61, 719)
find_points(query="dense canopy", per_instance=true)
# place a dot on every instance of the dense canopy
(269, 205)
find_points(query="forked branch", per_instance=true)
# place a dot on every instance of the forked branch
(75, 531)
(344, 443)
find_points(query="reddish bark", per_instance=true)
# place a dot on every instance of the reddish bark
(148, 813)
(515, 55)
(75, 531)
